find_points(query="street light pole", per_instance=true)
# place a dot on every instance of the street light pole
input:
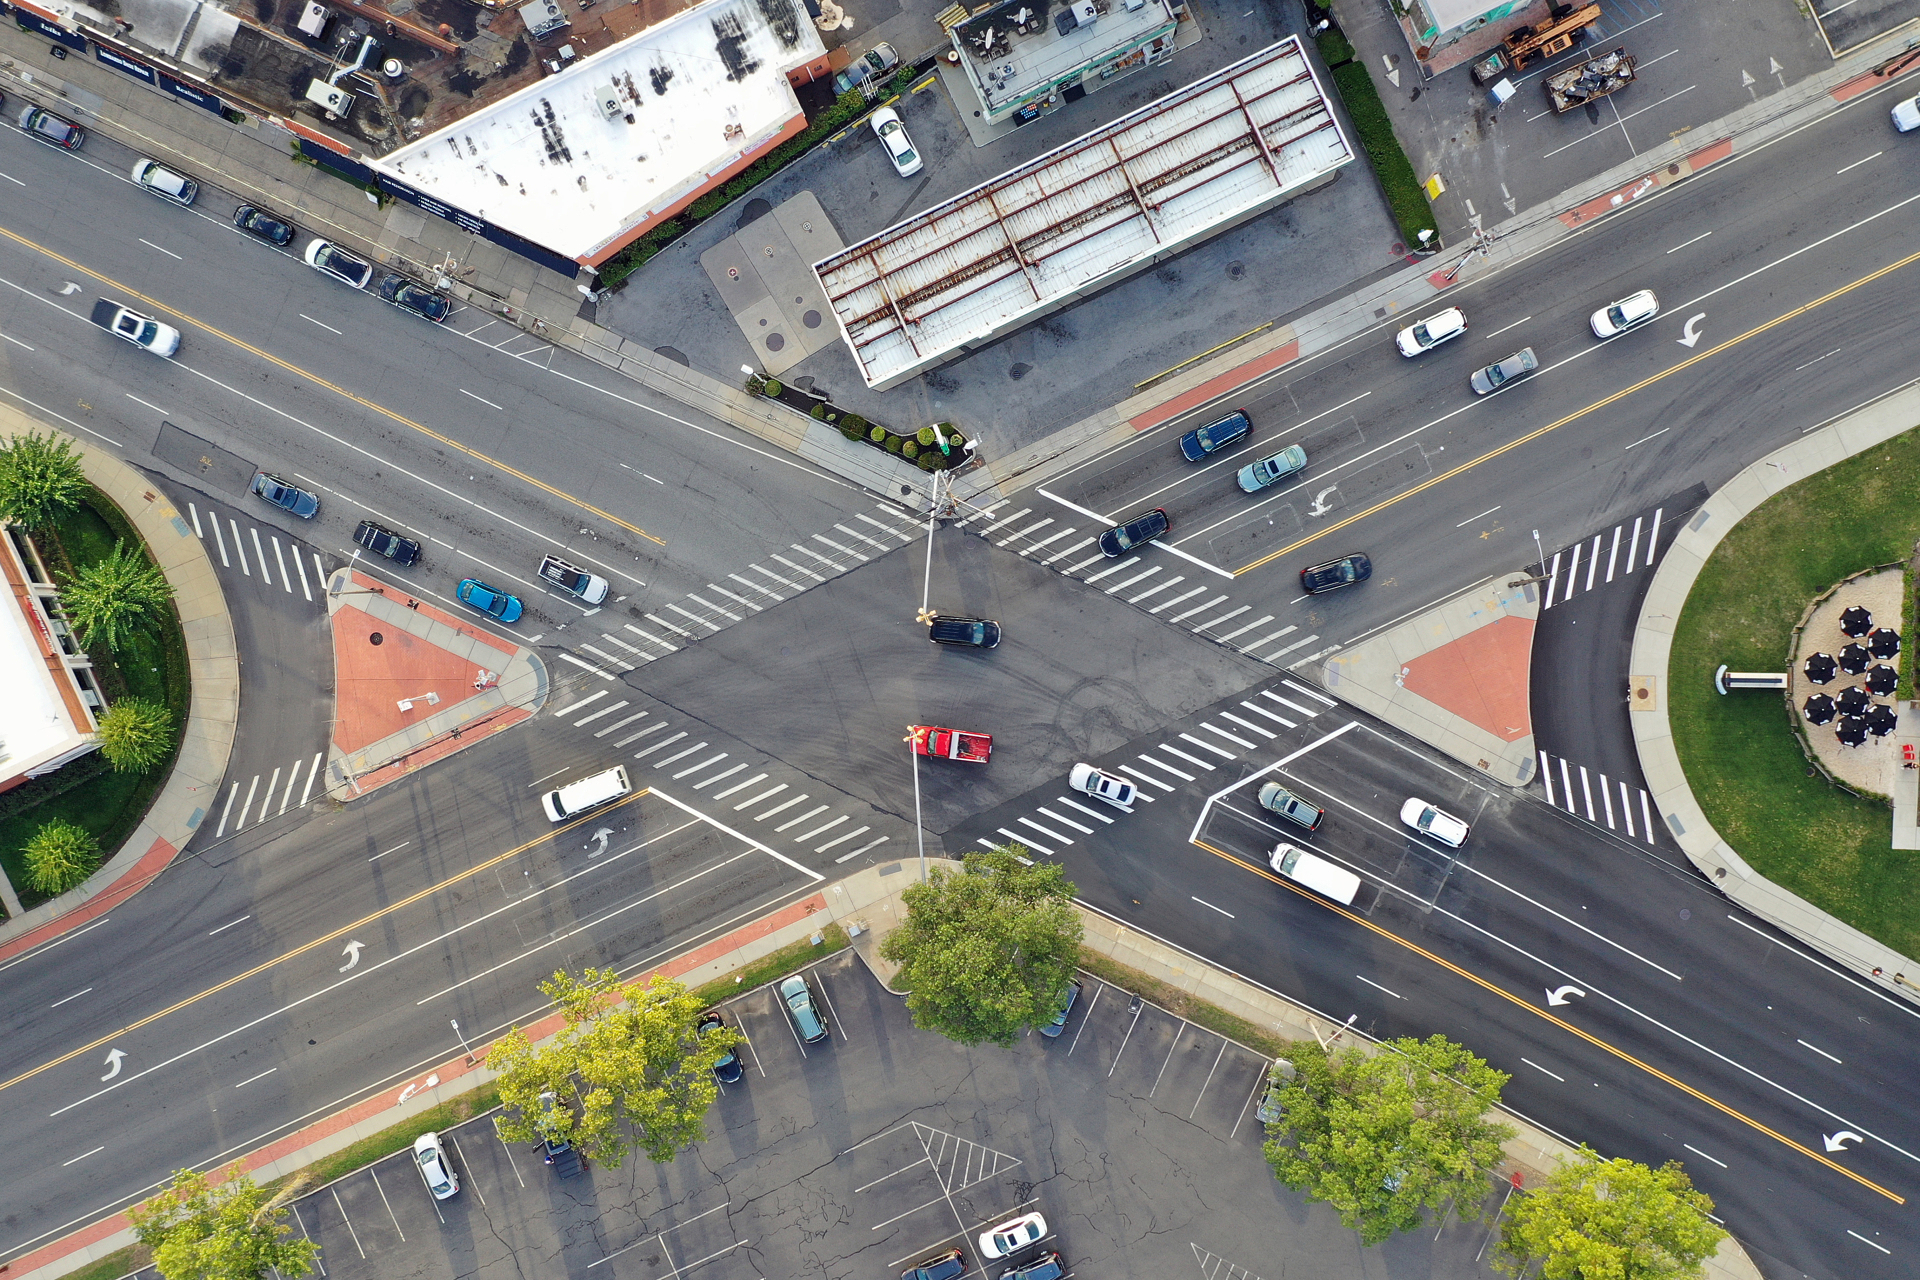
(933, 515)
(1541, 551)
(917, 825)
(463, 1039)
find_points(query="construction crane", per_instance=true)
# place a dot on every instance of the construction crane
(1528, 44)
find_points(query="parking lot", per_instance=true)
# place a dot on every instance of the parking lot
(1132, 1134)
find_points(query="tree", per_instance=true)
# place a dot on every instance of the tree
(136, 734)
(59, 856)
(1610, 1220)
(636, 1059)
(987, 951)
(112, 597)
(40, 478)
(233, 1231)
(1383, 1136)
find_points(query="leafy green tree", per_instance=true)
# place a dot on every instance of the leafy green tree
(60, 855)
(233, 1231)
(635, 1057)
(1610, 1220)
(986, 952)
(108, 600)
(1384, 1136)
(136, 734)
(40, 478)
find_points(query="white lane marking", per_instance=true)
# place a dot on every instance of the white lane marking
(482, 399)
(286, 797)
(1237, 741)
(840, 840)
(1308, 712)
(739, 835)
(1542, 1070)
(1593, 561)
(1168, 604)
(397, 848)
(1025, 841)
(1863, 1240)
(1546, 776)
(239, 548)
(1091, 813)
(170, 253)
(848, 857)
(1172, 750)
(1703, 235)
(1553, 583)
(10, 178)
(1248, 724)
(1496, 333)
(590, 717)
(1204, 745)
(1376, 986)
(224, 812)
(1305, 692)
(1067, 550)
(1164, 585)
(1064, 821)
(1703, 1155)
(1262, 711)
(260, 555)
(722, 776)
(96, 1151)
(1614, 553)
(621, 724)
(680, 755)
(1163, 545)
(1646, 815)
(709, 762)
(1470, 519)
(1606, 798)
(660, 746)
(1045, 831)
(252, 787)
(572, 707)
(76, 995)
(1822, 1052)
(1626, 808)
(310, 320)
(1209, 906)
(262, 1076)
(1855, 165)
(1217, 600)
(1258, 622)
(1143, 759)
(156, 408)
(635, 737)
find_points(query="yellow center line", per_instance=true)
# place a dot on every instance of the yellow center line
(1576, 415)
(1559, 1022)
(338, 390)
(320, 941)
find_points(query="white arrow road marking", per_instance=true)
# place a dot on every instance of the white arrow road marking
(1319, 507)
(352, 953)
(114, 1058)
(1560, 994)
(601, 836)
(1693, 331)
(1838, 1141)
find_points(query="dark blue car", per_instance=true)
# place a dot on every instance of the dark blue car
(1335, 574)
(1135, 532)
(1201, 441)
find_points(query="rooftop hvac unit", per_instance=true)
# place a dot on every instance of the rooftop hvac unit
(543, 17)
(607, 98)
(1134, 6)
(337, 101)
(1085, 12)
(313, 22)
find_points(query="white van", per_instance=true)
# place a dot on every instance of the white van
(1317, 874)
(590, 792)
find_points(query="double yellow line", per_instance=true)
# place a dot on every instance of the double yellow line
(1576, 415)
(1559, 1022)
(338, 390)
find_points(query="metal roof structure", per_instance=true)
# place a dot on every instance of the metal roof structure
(1074, 220)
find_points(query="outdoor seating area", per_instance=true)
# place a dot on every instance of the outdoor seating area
(1844, 677)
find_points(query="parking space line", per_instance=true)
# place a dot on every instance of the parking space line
(472, 1181)
(1209, 1080)
(1246, 1106)
(374, 1173)
(349, 1221)
(318, 1260)
(883, 1177)
(508, 1148)
(741, 1027)
(1086, 1018)
(1144, 777)
(1139, 1006)
(828, 997)
(1170, 1048)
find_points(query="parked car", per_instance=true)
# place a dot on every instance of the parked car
(422, 301)
(1201, 441)
(1906, 114)
(385, 542)
(797, 994)
(1269, 1111)
(1045, 1267)
(1069, 996)
(556, 1148)
(1115, 790)
(977, 633)
(435, 1169)
(52, 130)
(727, 1069)
(1256, 476)
(941, 1266)
(476, 594)
(265, 225)
(288, 497)
(1431, 821)
(1277, 799)
(876, 61)
(1137, 532)
(1501, 372)
(1012, 1235)
(1441, 326)
(590, 587)
(893, 136)
(150, 175)
(328, 257)
(1630, 312)
(1317, 579)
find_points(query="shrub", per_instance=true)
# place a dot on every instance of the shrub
(854, 422)
(924, 435)
(1405, 196)
(893, 444)
(819, 411)
(709, 204)
(1334, 47)
(772, 387)
(852, 433)
(755, 385)
(878, 435)
(932, 461)
(955, 439)
(910, 449)
(40, 479)
(136, 734)
(60, 856)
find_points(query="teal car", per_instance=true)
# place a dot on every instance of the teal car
(1256, 476)
(476, 594)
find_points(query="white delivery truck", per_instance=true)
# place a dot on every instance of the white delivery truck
(590, 792)
(1316, 873)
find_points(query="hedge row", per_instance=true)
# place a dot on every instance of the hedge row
(1405, 196)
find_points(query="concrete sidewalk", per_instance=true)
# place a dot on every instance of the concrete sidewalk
(206, 740)
(1649, 665)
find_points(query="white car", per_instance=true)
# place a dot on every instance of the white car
(1013, 1235)
(1431, 821)
(893, 136)
(1088, 780)
(435, 1169)
(144, 331)
(1442, 326)
(1630, 312)
(1906, 115)
(330, 258)
(164, 182)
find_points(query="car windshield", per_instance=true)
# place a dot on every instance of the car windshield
(1427, 818)
(1421, 336)
(1496, 374)
(335, 260)
(148, 330)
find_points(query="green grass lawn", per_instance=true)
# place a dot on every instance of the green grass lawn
(1740, 753)
(154, 666)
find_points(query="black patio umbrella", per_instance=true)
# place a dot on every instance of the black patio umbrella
(1882, 681)
(1881, 719)
(1856, 621)
(1854, 659)
(1818, 709)
(1884, 643)
(1852, 731)
(1853, 701)
(1820, 668)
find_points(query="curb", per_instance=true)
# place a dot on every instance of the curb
(1650, 662)
(206, 739)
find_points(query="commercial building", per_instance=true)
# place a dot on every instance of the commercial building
(47, 717)
(1022, 52)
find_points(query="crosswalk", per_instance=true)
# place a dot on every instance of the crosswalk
(1579, 568)
(855, 541)
(1591, 796)
(275, 799)
(1156, 585)
(1187, 756)
(268, 562)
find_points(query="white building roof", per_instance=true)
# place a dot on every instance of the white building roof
(1155, 181)
(693, 93)
(1015, 64)
(37, 723)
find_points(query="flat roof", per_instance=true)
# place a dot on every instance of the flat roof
(1157, 180)
(1020, 46)
(36, 724)
(693, 94)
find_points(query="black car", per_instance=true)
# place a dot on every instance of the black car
(1136, 532)
(941, 1266)
(385, 542)
(979, 633)
(270, 229)
(1335, 574)
(408, 296)
(727, 1069)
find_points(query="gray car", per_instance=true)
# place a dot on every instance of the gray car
(1256, 476)
(1501, 372)
(288, 497)
(1277, 799)
(797, 994)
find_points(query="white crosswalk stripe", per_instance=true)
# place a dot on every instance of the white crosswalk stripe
(1591, 794)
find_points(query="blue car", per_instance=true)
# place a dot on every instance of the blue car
(478, 595)
(1201, 441)
(288, 497)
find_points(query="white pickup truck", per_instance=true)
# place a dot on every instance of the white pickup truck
(142, 331)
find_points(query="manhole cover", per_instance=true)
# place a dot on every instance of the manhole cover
(376, 638)
(1236, 269)
(775, 342)
(763, 324)
(811, 319)
(1019, 371)
(1397, 249)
